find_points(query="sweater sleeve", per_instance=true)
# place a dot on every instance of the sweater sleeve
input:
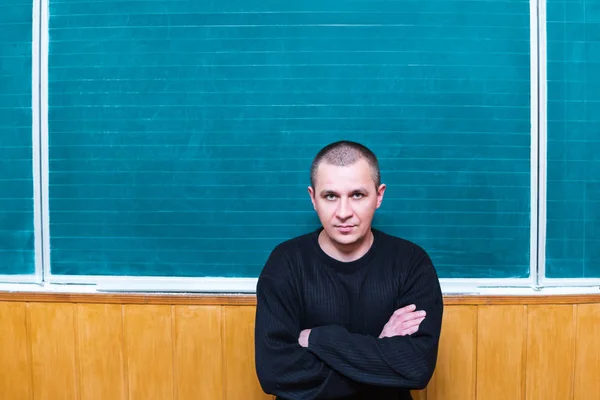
(401, 361)
(284, 368)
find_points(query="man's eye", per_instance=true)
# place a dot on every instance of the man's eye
(330, 197)
(358, 195)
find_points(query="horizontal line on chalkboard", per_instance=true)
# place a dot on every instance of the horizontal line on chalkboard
(183, 1)
(15, 24)
(587, 120)
(226, 211)
(569, 43)
(164, 250)
(307, 229)
(311, 212)
(312, 78)
(127, 27)
(387, 198)
(79, 105)
(566, 162)
(27, 42)
(404, 157)
(575, 180)
(268, 146)
(150, 263)
(301, 171)
(552, 81)
(159, 250)
(131, 225)
(283, 91)
(473, 120)
(148, 53)
(279, 185)
(570, 61)
(76, 39)
(267, 12)
(203, 66)
(320, 132)
(578, 102)
(572, 239)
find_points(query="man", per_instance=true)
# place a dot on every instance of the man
(347, 311)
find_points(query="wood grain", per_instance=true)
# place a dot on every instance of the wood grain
(550, 352)
(454, 377)
(587, 353)
(501, 342)
(52, 329)
(15, 360)
(100, 352)
(149, 351)
(240, 379)
(94, 351)
(198, 352)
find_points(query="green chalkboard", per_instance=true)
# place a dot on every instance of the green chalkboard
(181, 132)
(573, 227)
(16, 179)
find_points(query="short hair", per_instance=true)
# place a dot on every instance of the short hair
(342, 153)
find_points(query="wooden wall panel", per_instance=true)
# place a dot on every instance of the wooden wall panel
(52, 329)
(454, 377)
(87, 351)
(100, 351)
(238, 335)
(587, 353)
(15, 356)
(198, 352)
(149, 352)
(550, 352)
(501, 342)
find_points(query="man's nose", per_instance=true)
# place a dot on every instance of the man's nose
(344, 210)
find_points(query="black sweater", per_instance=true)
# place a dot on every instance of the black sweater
(346, 304)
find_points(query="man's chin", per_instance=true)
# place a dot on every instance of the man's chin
(345, 239)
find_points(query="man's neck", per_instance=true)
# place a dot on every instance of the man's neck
(345, 252)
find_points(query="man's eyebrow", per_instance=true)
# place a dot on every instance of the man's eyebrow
(326, 192)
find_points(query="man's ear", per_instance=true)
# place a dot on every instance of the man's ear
(380, 192)
(311, 193)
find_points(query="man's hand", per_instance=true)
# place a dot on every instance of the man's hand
(303, 338)
(404, 321)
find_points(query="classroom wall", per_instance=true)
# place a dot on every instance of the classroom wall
(196, 347)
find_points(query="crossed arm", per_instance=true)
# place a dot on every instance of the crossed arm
(404, 321)
(329, 362)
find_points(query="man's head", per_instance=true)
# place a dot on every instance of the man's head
(345, 191)
(344, 153)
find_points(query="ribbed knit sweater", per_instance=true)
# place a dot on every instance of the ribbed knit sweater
(346, 305)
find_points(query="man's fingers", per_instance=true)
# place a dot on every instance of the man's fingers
(413, 322)
(409, 324)
(415, 315)
(409, 316)
(404, 310)
(410, 331)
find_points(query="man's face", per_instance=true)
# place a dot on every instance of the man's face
(345, 199)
